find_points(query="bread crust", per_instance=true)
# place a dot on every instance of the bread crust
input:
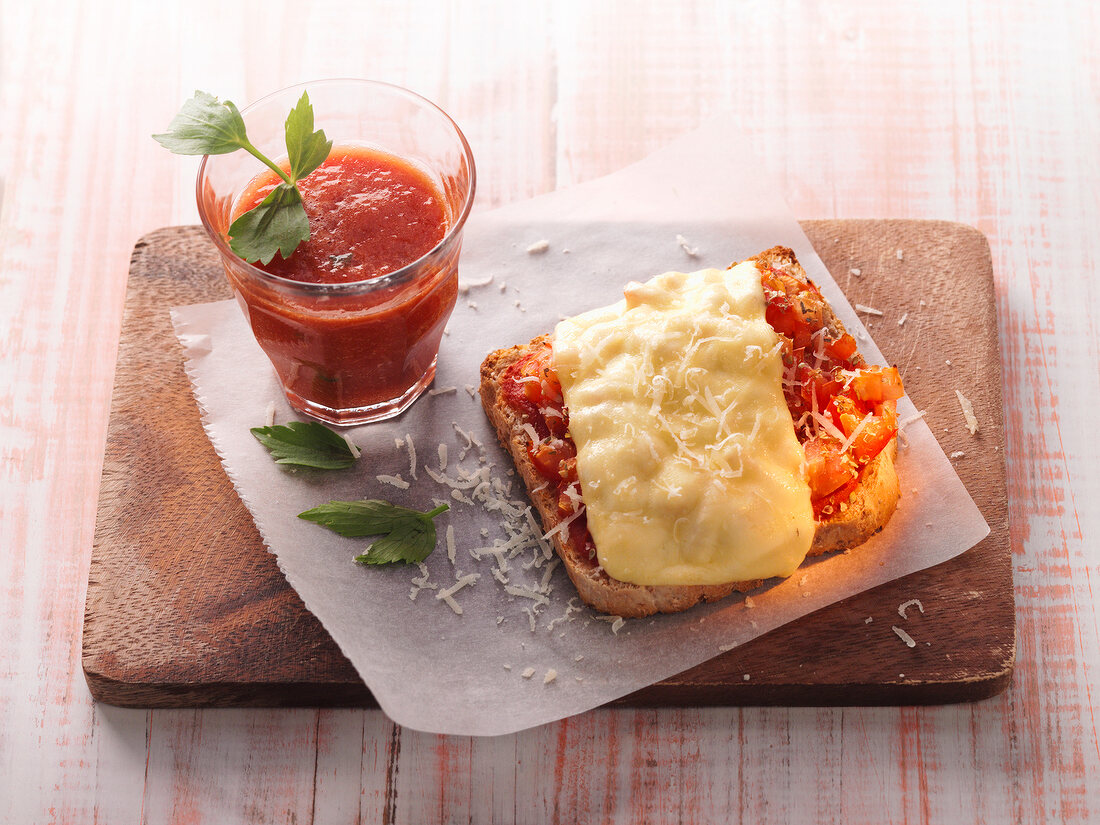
(867, 511)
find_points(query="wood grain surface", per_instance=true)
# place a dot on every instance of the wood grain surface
(186, 607)
(981, 112)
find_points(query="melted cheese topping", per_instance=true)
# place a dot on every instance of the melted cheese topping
(689, 465)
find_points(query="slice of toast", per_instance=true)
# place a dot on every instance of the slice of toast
(867, 510)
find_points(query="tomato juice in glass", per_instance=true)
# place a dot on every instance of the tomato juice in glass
(352, 320)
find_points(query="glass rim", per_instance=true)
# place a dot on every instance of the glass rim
(379, 282)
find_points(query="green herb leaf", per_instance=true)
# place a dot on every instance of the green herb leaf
(306, 148)
(306, 444)
(408, 536)
(276, 224)
(205, 126)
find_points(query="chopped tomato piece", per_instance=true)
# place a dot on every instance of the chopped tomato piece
(826, 467)
(875, 435)
(549, 454)
(878, 384)
(841, 348)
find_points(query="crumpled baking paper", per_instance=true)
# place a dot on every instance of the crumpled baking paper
(524, 651)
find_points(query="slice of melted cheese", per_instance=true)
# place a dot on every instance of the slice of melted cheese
(689, 466)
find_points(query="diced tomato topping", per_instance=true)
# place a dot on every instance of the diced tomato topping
(822, 375)
(875, 435)
(550, 454)
(878, 384)
(827, 468)
(841, 348)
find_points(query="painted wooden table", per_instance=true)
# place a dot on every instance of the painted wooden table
(984, 113)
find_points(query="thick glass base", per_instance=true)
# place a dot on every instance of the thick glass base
(364, 415)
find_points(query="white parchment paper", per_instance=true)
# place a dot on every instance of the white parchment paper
(524, 652)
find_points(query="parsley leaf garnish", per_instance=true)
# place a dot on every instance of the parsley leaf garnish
(306, 444)
(276, 224)
(407, 535)
(207, 126)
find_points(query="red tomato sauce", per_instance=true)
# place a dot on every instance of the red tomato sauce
(370, 214)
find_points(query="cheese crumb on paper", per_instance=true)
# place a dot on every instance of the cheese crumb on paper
(690, 251)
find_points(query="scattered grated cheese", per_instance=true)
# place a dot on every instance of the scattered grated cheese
(550, 676)
(451, 544)
(463, 581)
(826, 424)
(395, 481)
(957, 454)
(900, 255)
(749, 603)
(412, 454)
(725, 648)
(968, 412)
(692, 251)
(901, 320)
(868, 310)
(538, 247)
(355, 451)
(448, 600)
(524, 593)
(459, 496)
(271, 415)
(909, 419)
(868, 620)
(466, 286)
(911, 603)
(528, 672)
(856, 271)
(544, 585)
(442, 390)
(905, 637)
(562, 525)
(616, 622)
(421, 582)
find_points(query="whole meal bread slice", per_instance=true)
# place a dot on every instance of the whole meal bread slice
(868, 509)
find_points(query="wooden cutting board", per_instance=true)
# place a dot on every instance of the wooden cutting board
(186, 607)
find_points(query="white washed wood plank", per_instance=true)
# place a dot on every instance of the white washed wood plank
(855, 113)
